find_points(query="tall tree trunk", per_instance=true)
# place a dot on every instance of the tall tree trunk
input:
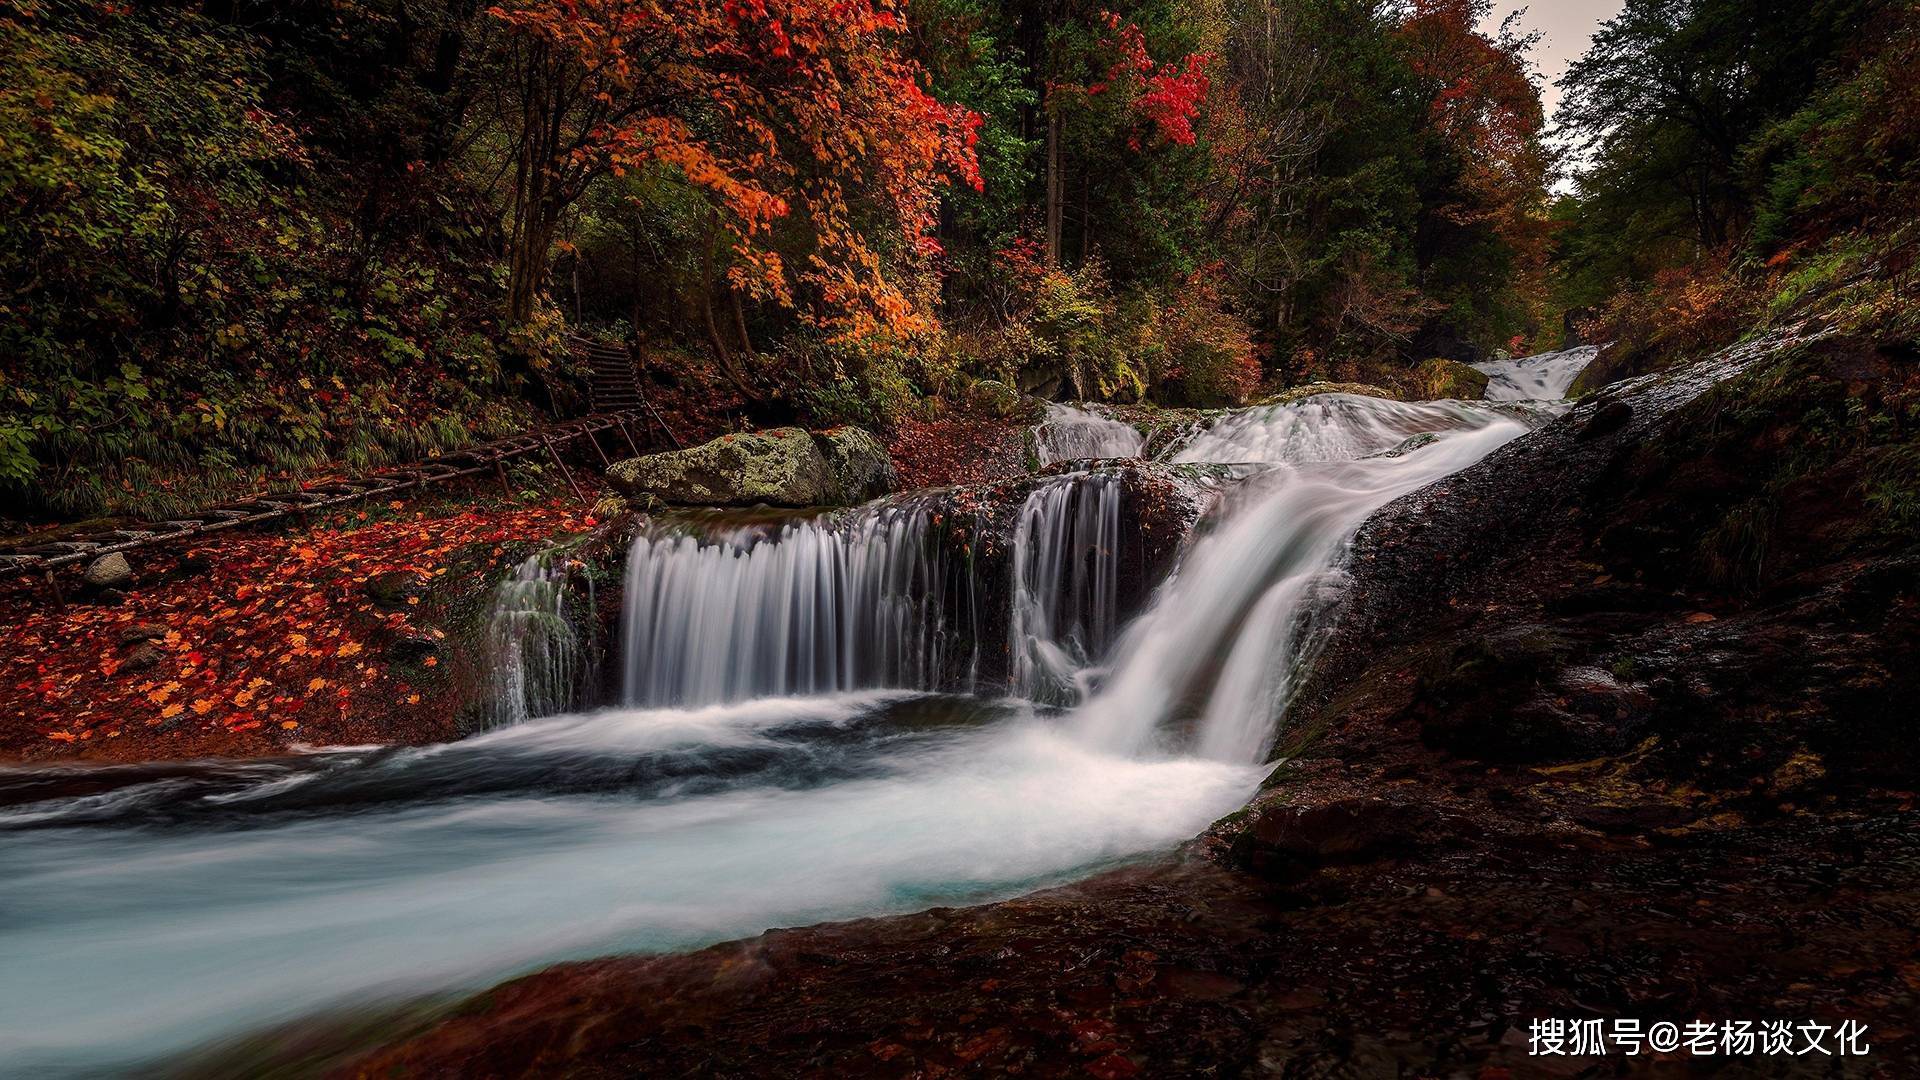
(1086, 217)
(533, 209)
(722, 356)
(1056, 185)
(740, 322)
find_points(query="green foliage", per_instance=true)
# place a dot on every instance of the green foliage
(188, 303)
(966, 47)
(1693, 160)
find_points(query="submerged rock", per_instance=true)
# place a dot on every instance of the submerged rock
(779, 467)
(1314, 389)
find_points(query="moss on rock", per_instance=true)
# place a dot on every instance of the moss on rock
(1438, 379)
(858, 467)
(779, 467)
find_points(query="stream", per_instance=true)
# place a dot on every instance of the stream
(804, 735)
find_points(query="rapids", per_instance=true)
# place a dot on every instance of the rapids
(1070, 434)
(794, 745)
(1545, 377)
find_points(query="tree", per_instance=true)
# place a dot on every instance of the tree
(1669, 93)
(1483, 231)
(771, 108)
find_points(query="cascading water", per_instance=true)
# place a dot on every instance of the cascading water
(535, 657)
(1222, 646)
(194, 901)
(1066, 571)
(1545, 377)
(825, 605)
(1070, 434)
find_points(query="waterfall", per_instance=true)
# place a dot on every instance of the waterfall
(743, 788)
(535, 655)
(1070, 434)
(1330, 427)
(1065, 602)
(841, 602)
(1230, 631)
(1545, 377)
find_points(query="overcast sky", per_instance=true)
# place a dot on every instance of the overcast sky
(1565, 27)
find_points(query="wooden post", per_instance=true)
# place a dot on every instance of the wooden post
(500, 470)
(628, 435)
(53, 586)
(595, 440)
(564, 471)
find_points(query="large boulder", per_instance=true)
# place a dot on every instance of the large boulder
(1439, 379)
(779, 467)
(858, 468)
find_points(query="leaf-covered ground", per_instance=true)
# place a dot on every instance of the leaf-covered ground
(960, 450)
(350, 631)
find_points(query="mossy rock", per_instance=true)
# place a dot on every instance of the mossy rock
(858, 467)
(995, 398)
(779, 467)
(1314, 389)
(1438, 379)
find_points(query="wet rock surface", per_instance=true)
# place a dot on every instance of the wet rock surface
(1549, 765)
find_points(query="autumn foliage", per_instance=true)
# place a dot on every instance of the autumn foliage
(270, 641)
(1164, 97)
(774, 109)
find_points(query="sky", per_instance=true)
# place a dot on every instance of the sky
(1566, 25)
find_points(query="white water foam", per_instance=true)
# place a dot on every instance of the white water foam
(1223, 642)
(825, 605)
(184, 935)
(1065, 603)
(188, 913)
(1545, 377)
(1073, 434)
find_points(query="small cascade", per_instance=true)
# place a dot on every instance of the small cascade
(1330, 427)
(1070, 434)
(836, 603)
(536, 657)
(1545, 377)
(1066, 584)
(1223, 644)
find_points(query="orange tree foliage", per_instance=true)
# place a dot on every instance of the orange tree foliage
(1488, 110)
(276, 641)
(774, 109)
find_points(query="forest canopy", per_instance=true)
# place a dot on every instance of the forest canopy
(247, 240)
